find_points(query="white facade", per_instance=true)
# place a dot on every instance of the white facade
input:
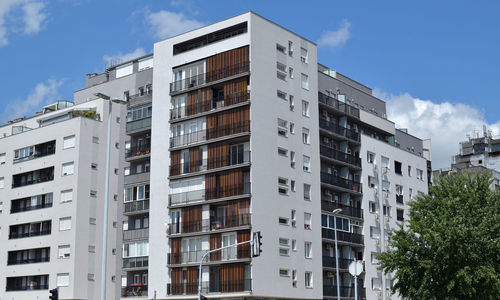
(77, 187)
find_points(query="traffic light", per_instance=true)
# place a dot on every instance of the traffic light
(257, 244)
(54, 294)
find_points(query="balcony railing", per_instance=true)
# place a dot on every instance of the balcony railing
(331, 262)
(221, 286)
(328, 205)
(18, 235)
(135, 262)
(228, 129)
(190, 257)
(138, 150)
(336, 128)
(201, 79)
(33, 177)
(228, 191)
(214, 223)
(186, 197)
(341, 182)
(342, 236)
(37, 154)
(136, 206)
(339, 155)
(136, 234)
(399, 199)
(28, 260)
(188, 138)
(204, 164)
(139, 290)
(16, 209)
(345, 291)
(340, 106)
(138, 124)
(211, 104)
(25, 287)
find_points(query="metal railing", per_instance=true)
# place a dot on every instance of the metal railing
(28, 260)
(331, 262)
(136, 206)
(342, 236)
(16, 209)
(211, 104)
(21, 183)
(340, 106)
(36, 154)
(219, 286)
(138, 124)
(339, 155)
(328, 205)
(190, 257)
(135, 262)
(336, 128)
(186, 197)
(340, 182)
(18, 235)
(135, 291)
(138, 150)
(136, 234)
(228, 191)
(228, 129)
(188, 138)
(214, 223)
(204, 164)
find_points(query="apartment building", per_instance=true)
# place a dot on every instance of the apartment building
(52, 191)
(132, 82)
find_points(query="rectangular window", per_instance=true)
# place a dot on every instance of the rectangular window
(306, 164)
(374, 232)
(304, 81)
(90, 277)
(93, 194)
(294, 278)
(91, 248)
(282, 152)
(307, 221)
(284, 252)
(409, 171)
(290, 72)
(282, 128)
(294, 217)
(92, 221)
(305, 108)
(283, 221)
(68, 168)
(292, 128)
(308, 280)
(308, 249)
(2, 158)
(292, 185)
(93, 166)
(69, 142)
(281, 94)
(305, 136)
(294, 245)
(291, 101)
(66, 196)
(2, 182)
(307, 192)
(281, 67)
(228, 240)
(284, 242)
(95, 140)
(65, 223)
(63, 251)
(376, 284)
(370, 157)
(281, 76)
(374, 260)
(387, 210)
(280, 48)
(303, 55)
(63, 279)
(373, 207)
(398, 167)
(400, 215)
(292, 159)
(283, 181)
(284, 272)
(420, 174)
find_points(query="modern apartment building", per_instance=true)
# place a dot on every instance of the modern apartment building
(131, 81)
(52, 191)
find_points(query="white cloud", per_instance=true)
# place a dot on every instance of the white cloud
(165, 23)
(44, 93)
(122, 57)
(32, 20)
(337, 37)
(34, 16)
(445, 123)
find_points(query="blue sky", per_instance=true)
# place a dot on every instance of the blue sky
(437, 63)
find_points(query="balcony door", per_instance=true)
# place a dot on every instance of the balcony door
(229, 239)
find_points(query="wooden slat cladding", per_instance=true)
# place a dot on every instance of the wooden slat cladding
(199, 101)
(175, 250)
(177, 285)
(228, 122)
(235, 91)
(192, 280)
(191, 219)
(231, 277)
(224, 184)
(176, 280)
(195, 159)
(227, 64)
(218, 154)
(175, 162)
(215, 242)
(243, 250)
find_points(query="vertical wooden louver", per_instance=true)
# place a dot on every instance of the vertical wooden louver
(218, 154)
(235, 91)
(192, 280)
(176, 281)
(224, 184)
(175, 251)
(215, 242)
(195, 159)
(199, 101)
(228, 122)
(191, 219)
(227, 64)
(175, 162)
(243, 250)
(231, 277)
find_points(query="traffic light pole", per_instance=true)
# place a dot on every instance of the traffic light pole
(212, 251)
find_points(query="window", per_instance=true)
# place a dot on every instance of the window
(66, 196)
(308, 249)
(284, 272)
(387, 210)
(2, 158)
(370, 157)
(303, 55)
(291, 101)
(91, 248)
(284, 252)
(372, 182)
(307, 221)
(282, 128)
(90, 277)
(280, 75)
(292, 185)
(292, 159)
(398, 167)
(294, 217)
(305, 136)
(420, 174)
(282, 186)
(307, 192)
(410, 193)
(306, 163)
(328, 221)
(282, 152)
(228, 240)
(281, 67)
(281, 94)
(308, 280)
(283, 181)
(283, 221)
(92, 221)
(409, 171)
(376, 284)
(2, 182)
(65, 223)
(95, 140)
(294, 278)
(400, 215)
(290, 48)
(292, 128)
(374, 232)
(290, 72)
(93, 166)
(284, 242)
(137, 249)
(69, 142)
(373, 207)
(68, 168)
(93, 194)
(1, 206)
(63, 279)
(280, 48)
(305, 108)
(304, 81)
(374, 260)
(63, 251)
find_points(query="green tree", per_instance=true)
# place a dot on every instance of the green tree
(450, 247)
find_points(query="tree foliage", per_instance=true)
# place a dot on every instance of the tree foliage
(450, 247)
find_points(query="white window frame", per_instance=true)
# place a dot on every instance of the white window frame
(65, 221)
(304, 81)
(306, 163)
(63, 279)
(69, 142)
(308, 283)
(306, 136)
(64, 251)
(68, 169)
(308, 250)
(305, 108)
(66, 196)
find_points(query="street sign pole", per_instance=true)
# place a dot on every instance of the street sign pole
(355, 268)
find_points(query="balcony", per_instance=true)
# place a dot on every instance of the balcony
(135, 262)
(331, 262)
(211, 105)
(204, 225)
(138, 124)
(138, 150)
(345, 291)
(399, 199)
(33, 177)
(228, 191)
(30, 229)
(27, 283)
(138, 290)
(18, 206)
(339, 155)
(28, 260)
(233, 159)
(341, 182)
(339, 106)
(193, 257)
(339, 130)
(186, 197)
(220, 286)
(228, 129)
(136, 234)
(136, 207)
(342, 236)
(188, 138)
(329, 206)
(32, 152)
(212, 76)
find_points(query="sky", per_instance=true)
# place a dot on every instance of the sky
(436, 63)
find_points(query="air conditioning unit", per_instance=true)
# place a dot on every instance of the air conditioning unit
(375, 192)
(329, 274)
(376, 217)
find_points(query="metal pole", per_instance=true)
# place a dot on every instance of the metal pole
(106, 204)
(336, 257)
(355, 280)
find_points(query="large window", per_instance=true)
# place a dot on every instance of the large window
(308, 249)
(328, 222)
(140, 112)
(139, 192)
(228, 240)
(307, 221)
(304, 81)
(65, 223)
(305, 136)
(136, 249)
(68, 168)
(306, 164)
(308, 280)
(69, 142)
